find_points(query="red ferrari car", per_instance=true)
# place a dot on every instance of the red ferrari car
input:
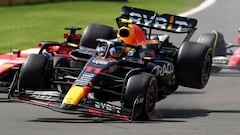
(226, 56)
(10, 62)
(235, 58)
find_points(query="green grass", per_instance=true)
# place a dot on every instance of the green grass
(24, 26)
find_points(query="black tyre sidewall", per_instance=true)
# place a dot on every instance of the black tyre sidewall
(190, 63)
(33, 72)
(216, 41)
(140, 84)
(94, 31)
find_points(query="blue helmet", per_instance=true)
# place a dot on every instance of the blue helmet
(116, 51)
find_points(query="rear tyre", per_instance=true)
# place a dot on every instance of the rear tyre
(94, 31)
(193, 65)
(141, 85)
(33, 73)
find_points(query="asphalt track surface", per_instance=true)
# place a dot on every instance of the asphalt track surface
(214, 110)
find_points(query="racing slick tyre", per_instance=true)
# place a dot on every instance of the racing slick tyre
(141, 95)
(216, 41)
(33, 73)
(193, 64)
(94, 31)
(58, 73)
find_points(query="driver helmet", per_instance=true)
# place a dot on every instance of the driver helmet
(116, 51)
(132, 34)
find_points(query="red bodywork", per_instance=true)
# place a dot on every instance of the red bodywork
(235, 58)
(238, 39)
(62, 51)
(13, 59)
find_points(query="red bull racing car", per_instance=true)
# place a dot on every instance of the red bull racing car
(117, 74)
(10, 62)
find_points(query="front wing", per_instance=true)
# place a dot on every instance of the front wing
(87, 106)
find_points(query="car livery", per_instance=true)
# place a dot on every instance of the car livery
(117, 73)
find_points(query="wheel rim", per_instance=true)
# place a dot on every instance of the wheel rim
(206, 70)
(151, 99)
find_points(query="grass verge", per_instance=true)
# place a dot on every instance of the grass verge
(24, 26)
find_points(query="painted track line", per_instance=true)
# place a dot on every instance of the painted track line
(205, 4)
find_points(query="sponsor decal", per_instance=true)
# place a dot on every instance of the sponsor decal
(46, 95)
(156, 21)
(84, 79)
(107, 107)
(100, 61)
(164, 69)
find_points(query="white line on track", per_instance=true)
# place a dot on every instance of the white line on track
(205, 4)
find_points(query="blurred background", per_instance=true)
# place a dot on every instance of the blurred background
(20, 2)
(26, 22)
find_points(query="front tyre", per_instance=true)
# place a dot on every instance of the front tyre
(216, 41)
(141, 89)
(33, 73)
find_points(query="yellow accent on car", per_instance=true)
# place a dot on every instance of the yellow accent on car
(170, 26)
(126, 21)
(147, 58)
(75, 94)
(215, 41)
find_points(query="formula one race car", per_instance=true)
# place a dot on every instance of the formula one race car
(10, 62)
(225, 55)
(234, 61)
(124, 74)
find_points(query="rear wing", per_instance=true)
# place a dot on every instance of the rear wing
(152, 20)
